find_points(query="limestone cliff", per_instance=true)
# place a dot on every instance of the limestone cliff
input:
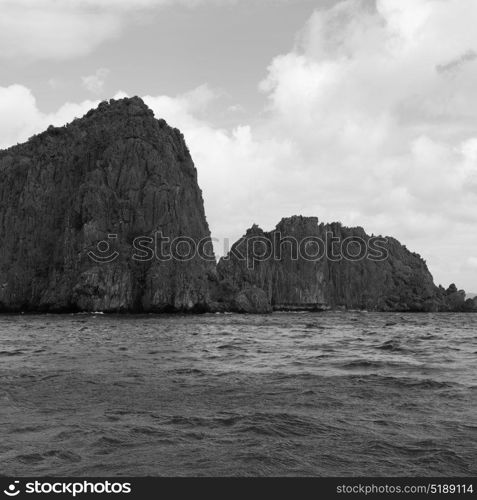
(82, 206)
(374, 274)
(111, 176)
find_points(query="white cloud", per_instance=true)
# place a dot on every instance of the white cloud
(20, 117)
(236, 108)
(95, 82)
(50, 29)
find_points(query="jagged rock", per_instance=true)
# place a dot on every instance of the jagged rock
(453, 300)
(116, 171)
(251, 300)
(293, 280)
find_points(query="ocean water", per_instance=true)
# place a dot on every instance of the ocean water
(347, 393)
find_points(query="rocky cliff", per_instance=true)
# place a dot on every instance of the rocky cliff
(105, 214)
(112, 176)
(306, 265)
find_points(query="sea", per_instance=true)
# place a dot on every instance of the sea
(284, 394)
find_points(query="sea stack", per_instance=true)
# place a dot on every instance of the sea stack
(112, 176)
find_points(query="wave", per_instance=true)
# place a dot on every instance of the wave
(391, 345)
(363, 363)
(17, 352)
(62, 455)
(187, 371)
(405, 382)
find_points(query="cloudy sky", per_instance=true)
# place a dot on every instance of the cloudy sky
(358, 111)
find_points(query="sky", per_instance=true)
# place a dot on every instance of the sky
(359, 111)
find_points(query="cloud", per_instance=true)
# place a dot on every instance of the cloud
(95, 82)
(44, 30)
(50, 29)
(21, 118)
(455, 64)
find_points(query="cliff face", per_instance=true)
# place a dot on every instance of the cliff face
(105, 214)
(114, 175)
(354, 276)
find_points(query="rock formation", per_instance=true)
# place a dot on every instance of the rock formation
(105, 214)
(454, 300)
(350, 270)
(111, 176)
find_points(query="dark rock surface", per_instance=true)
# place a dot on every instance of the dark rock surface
(226, 297)
(454, 300)
(299, 280)
(117, 175)
(116, 171)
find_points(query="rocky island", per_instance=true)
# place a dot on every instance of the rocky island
(118, 176)
(110, 176)
(397, 280)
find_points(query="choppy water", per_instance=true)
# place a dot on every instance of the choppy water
(283, 394)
